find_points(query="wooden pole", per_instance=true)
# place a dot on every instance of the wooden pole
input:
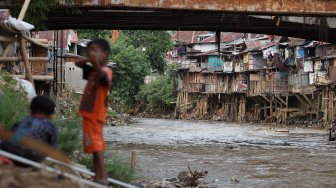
(7, 39)
(5, 52)
(11, 59)
(133, 160)
(24, 55)
(24, 9)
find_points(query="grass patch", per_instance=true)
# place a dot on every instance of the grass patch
(13, 103)
(119, 169)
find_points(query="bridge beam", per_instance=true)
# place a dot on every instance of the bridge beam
(269, 7)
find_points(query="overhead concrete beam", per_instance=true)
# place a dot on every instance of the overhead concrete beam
(284, 7)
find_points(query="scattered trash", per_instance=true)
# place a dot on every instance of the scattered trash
(234, 180)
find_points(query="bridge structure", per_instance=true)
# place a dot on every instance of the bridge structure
(310, 19)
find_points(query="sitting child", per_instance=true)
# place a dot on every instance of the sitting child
(37, 126)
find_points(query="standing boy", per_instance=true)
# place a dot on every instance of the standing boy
(94, 104)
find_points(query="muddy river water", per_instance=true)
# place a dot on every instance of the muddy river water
(256, 155)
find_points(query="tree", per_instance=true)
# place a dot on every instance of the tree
(37, 11)
(129, 75)
(93, 34)
(154, 43)
(158, 96)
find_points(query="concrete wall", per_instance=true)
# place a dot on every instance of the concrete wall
(73, 77)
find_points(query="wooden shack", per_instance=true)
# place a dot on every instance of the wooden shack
(256, 84)
(277, 83)
(42, 66)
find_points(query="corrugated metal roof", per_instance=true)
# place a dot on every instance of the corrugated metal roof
(225, 38)
(188, 37)
(49, 35)
(296, 41)
(254, 45)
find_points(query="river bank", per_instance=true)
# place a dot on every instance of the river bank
(291, 122)
(255, 155)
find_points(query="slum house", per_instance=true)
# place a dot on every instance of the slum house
(23, 56)
(270, 79)
(67, 50)
(47, 52)
(209, 80)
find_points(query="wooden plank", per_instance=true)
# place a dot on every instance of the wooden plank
(8, 39)
(11, 59)
(309, 101)
(318, 105)
(281, 100)
(15, 59)
(268, 100)
(301, 100)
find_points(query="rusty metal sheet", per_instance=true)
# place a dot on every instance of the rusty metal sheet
(311, 7)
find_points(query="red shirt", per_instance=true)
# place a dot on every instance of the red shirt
(94, 102)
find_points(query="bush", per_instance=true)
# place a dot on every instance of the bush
(158, 95)
(119, 169)
(68, 124)
(14, 105)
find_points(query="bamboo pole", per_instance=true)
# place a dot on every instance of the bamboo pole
(5, 52)
(7, 39)
(24, 55)
(6, 59)
(24, 9)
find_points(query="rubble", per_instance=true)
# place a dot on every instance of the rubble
(118, 119)
(27, 177)
(184, 179)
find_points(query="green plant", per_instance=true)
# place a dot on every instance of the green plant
(119, 169)
(37, 12)
(69, 132)
(158, 96)
(116, 168)
(13, 103)
(132, 67)
(68, 124)
(155, 44)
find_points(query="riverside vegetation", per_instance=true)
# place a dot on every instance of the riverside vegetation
(14, 106)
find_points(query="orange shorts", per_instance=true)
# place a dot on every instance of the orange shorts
(93, 135)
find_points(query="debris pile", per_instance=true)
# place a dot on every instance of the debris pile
(184, 179)
(29, 177)
(118, 119)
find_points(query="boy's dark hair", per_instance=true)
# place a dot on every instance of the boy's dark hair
(42, 104)
(102, 43)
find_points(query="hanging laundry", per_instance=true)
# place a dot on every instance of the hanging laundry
(300, 52)
(246, 58)
(308, 66)
(286, 53)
